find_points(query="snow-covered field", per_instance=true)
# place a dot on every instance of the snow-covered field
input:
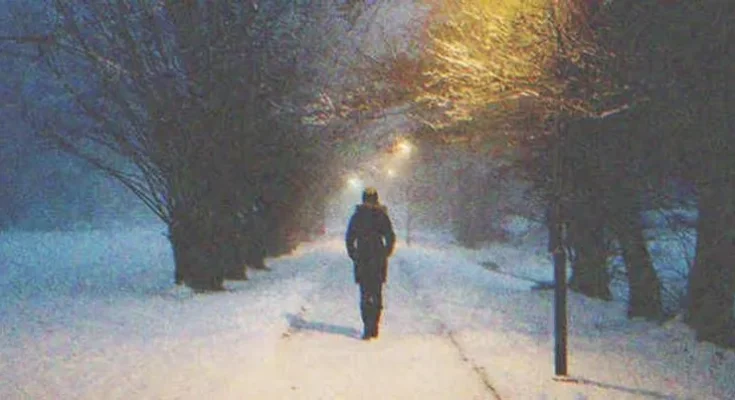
(92, 315)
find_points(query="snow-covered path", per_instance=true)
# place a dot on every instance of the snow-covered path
(322, 357)
(290, 333)
(93, 315)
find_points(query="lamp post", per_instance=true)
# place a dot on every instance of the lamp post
(557, 234)
(556, 238)
(404, 149)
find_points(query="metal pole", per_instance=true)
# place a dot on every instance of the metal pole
(560, 310)
(557, 231)
(560, 261)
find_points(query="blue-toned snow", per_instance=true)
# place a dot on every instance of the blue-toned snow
(91, 315)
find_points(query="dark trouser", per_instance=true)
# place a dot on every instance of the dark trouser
(371, 304)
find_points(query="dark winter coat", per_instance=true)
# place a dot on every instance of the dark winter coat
(370, 240)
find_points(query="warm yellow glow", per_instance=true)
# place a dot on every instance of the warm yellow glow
(487, 53)
(405, 148)
(354, 182)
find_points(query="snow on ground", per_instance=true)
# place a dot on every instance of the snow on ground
(89, 315)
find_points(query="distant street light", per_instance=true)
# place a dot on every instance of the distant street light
(404, 148)
(354, 182)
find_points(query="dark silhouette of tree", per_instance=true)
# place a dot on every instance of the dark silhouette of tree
(543, 71)
(196, 108)
(678, 57)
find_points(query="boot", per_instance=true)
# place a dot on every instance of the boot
(368, 321)
(376, 324)
(369, 330)
(367, 333)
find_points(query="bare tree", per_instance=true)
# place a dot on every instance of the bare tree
(538, 68)
(678, 55)
(194, 107)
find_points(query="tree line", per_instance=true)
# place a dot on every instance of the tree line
(212, 113)
(214, 110)
(616, 108)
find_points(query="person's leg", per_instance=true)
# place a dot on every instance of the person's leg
(370, 304)
(378, 308)
(365, 311)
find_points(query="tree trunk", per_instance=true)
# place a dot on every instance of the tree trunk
(643, 282)
(712, 279)
(467, 228)
(584, 210)
(181, 268)
(231, 249)
(585, 238)
(254, 234)
(195, 255)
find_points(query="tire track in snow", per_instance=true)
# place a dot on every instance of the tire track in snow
(423, 303)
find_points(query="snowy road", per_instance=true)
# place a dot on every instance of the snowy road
(93, 315)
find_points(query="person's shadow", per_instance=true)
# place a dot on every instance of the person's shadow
(602, 385)
(298, 323)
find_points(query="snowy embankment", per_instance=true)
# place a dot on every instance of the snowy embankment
(94, 315)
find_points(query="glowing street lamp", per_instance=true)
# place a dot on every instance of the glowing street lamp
(404, 148)
(354, 182)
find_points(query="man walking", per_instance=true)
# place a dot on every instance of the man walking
(370, 240)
